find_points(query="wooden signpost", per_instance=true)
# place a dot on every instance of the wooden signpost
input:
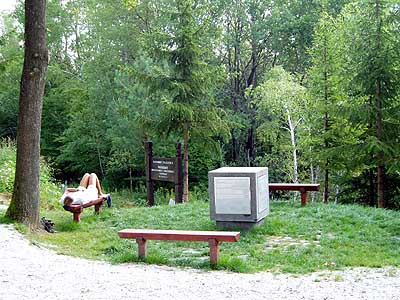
(163, 169)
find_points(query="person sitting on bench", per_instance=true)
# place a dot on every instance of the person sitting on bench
(89, 190)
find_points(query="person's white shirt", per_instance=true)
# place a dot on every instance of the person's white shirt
(81, 196)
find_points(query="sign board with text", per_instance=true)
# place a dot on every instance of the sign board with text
(163, 169)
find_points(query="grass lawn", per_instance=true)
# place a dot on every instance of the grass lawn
(292, 239)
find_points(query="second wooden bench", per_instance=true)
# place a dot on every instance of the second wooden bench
(302, 187)
(214, 238)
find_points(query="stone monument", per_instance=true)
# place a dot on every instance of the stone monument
(239, 196)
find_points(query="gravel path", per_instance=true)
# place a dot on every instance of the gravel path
(31, 272)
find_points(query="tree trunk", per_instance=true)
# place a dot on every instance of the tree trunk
(326, 123)
(99, 155)
(130, 180)
(77, 40)
(235, 152)
(326, 184)
(326, 177)
(294, 151)
(250, 149)
(381, 201)
(251, 83)
(312, 177)
(234, 71)
(337, 194)
(185, 197)
(371, 187)
(24, 206)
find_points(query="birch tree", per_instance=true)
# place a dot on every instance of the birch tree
(282, 102)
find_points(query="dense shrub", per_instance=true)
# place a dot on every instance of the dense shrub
(7, 166)
(50, 192)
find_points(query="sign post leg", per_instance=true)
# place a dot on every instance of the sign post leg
(178, 174)
(149, 182)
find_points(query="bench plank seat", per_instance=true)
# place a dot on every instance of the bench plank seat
(302, 187)
(214, 238)
(179, 235)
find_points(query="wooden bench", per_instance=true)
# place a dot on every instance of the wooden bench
(214, 239)
(303, 188)
(77, 210)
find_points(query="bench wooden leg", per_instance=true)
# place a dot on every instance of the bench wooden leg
(97, 208)
(77, 217)
(77, 214)
(214, 251)
(303, 197)
(142, 247)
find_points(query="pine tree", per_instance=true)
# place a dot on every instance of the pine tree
(374, 38)
(366, 36)
(329, 127)
(182, 77)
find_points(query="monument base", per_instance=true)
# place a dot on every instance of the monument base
(231, 225)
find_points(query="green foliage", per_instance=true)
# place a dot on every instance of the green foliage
(281, 103)
(11, 57)
(49, 191)
(354, 84)
(292, 239)
(7, 166)
(124, 72)
(331, 134)
(183, 73)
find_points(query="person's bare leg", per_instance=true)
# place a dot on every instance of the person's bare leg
(85, 180)
(94, 180)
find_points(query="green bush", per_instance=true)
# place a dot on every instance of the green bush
(50, 192)
(7, 166)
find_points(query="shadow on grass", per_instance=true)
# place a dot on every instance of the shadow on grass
(67, 226)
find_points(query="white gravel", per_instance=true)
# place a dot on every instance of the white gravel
(31, 272)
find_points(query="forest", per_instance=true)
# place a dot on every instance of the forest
(310, 89)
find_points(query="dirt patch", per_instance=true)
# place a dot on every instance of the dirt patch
(285, 242)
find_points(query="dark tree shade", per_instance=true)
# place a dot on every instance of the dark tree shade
(24, 206)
